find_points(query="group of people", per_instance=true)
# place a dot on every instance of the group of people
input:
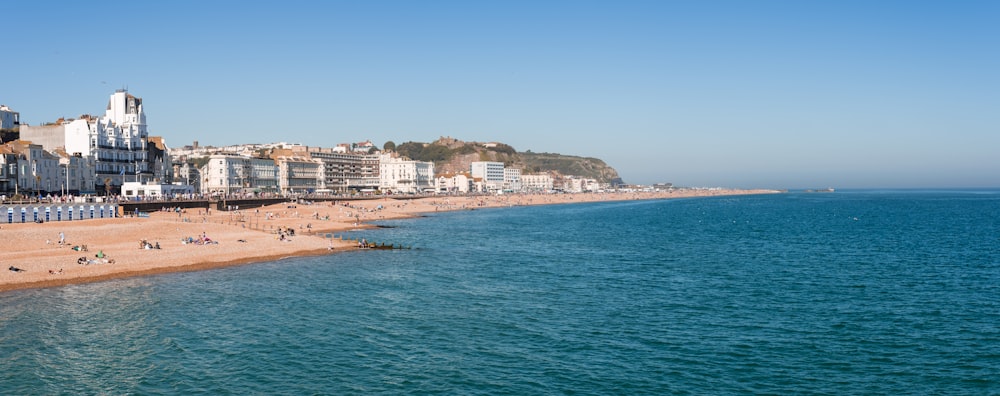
(144, 245)
(99, 258)
(201, 240)
(285, 233)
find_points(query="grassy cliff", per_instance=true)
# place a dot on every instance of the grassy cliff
(452, 156)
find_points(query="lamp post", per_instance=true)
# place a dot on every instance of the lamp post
(34, 164)
(66, 184)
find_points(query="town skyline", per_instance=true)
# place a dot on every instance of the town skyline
(766, 94)
(98, 155)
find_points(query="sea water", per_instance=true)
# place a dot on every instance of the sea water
(866, 292)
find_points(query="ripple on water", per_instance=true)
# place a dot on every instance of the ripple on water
(785, 294)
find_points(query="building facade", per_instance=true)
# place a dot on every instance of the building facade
(299, 175)
(491, 174)
(9, 119)
(345, 172)
(136, 190)
(511, 179)
(77, 173)
(578, 185)
(36, 172)
(187, 174)
(405, 176)
(225, 174)
(454, 184)
(536, 183)
(118, 142)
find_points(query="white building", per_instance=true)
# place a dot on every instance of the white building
(536, 183)
(364, 147)
(231, 174)
(118, 142)
(511, 179)
(451, 184)
(9, 119)
(405, 176)
(578, 185)
(219, 175)
(299, 175)
(263, 175)
(491, 173)
(133, 190)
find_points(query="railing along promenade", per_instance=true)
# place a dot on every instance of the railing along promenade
(136, 207)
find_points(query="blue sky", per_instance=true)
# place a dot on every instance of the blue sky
(774, 94)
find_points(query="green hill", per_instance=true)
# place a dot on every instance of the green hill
(451, 155)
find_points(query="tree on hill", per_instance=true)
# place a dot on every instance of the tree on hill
(199, 162)
(389, 146)
(424, 152)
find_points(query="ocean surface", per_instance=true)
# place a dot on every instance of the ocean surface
(856, 292)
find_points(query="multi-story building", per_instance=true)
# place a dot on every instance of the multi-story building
(160, 163)
(231, 174)
(578, 184)
(9, 119)
(118, 142)
(536, 183)
(218, 176)
(78, 173)
(491, 173)
(345, 171)
(299, 174)
(511, 179)
(459, 183)
(405, 176)
(8, 171)
(187, 174)
(263, 176)
(37, 171)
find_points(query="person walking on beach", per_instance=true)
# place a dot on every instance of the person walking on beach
(62, 238)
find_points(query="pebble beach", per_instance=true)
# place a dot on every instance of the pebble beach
(194, 239)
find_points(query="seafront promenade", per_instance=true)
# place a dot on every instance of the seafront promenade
(202, 238)
(46, 210)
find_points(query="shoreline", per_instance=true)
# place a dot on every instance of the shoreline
(236, 238)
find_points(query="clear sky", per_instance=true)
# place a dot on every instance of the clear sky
(775, 94)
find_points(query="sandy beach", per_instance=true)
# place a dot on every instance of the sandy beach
(194, 240)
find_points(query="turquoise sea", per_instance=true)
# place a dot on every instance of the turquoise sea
(856, 292)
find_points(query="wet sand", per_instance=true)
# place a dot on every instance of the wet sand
(247, 236)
